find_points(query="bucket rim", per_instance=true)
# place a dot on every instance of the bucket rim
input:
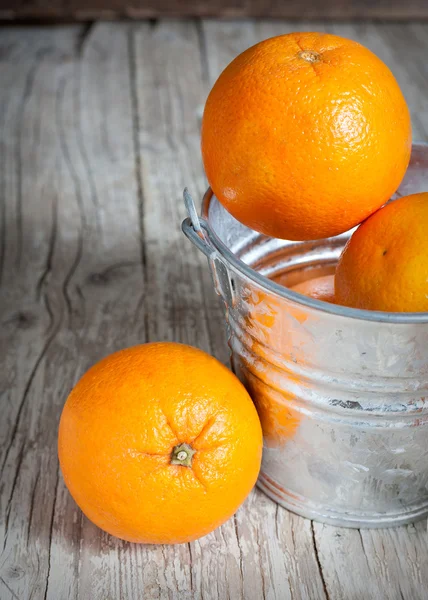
(410, 318)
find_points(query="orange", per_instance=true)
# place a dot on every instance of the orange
(320, 288)
(384, 265)
(267, 332)
(159, 443)
(305, 135)
(277, 409)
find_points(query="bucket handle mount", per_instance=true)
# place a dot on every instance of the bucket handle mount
(196, 233)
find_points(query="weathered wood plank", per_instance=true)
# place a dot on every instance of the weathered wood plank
(169, 89)
(31, 183)
(69, 274)
(109, 278)
(143, 9)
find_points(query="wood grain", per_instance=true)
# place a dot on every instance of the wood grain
(142, 9)
(99, 133)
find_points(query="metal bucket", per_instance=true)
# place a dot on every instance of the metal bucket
(342, 394)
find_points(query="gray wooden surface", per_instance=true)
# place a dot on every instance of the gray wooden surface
(99, 133)
(83, 10)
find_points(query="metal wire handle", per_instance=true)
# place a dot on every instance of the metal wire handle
(191, 211)
(194, 231)
(192, 227)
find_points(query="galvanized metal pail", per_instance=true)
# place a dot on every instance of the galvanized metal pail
(342, 394)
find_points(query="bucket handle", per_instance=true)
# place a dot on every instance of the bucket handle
(192, 228)
(194, 231)
(191, 211)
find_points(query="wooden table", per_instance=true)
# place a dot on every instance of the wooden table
(99, 133)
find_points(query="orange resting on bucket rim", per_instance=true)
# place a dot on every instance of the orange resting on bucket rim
(305, 135)
(384, 265)
(159, 443)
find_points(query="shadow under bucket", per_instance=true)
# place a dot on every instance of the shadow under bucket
(341, 393)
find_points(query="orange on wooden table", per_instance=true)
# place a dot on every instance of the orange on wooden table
(384, 265)
(159, 443)
(320, 288)
(305, 135)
